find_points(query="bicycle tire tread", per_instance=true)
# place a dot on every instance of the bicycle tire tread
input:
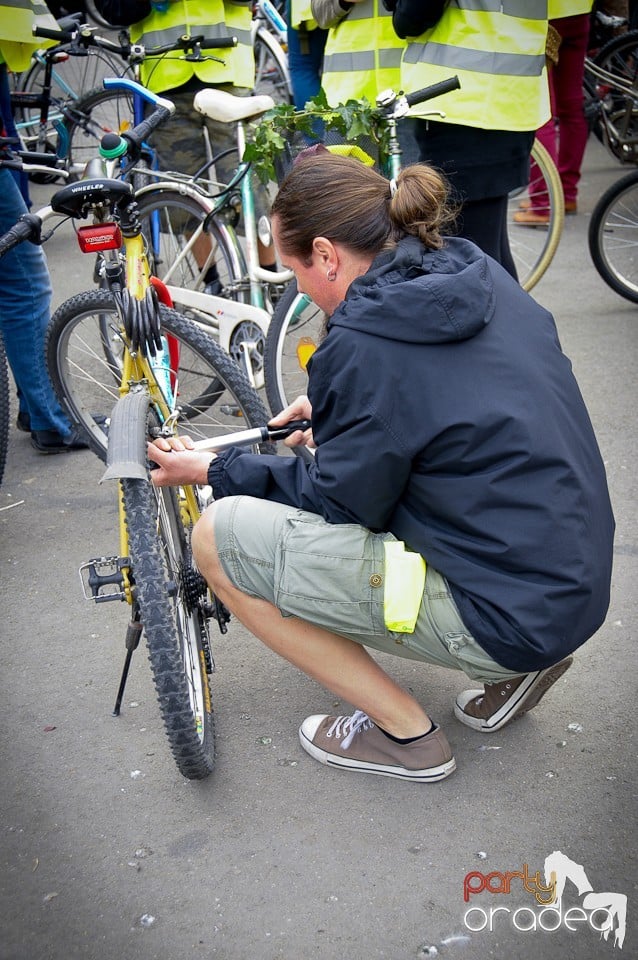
(195, 757)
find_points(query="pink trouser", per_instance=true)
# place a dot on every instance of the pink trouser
(565, 133)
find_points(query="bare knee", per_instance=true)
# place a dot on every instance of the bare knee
(205, 549)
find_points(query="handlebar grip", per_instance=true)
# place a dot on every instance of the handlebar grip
(136, 137)
(62, 36)
(434, 90)
(26, 228)
(209, 43)
(280, 433)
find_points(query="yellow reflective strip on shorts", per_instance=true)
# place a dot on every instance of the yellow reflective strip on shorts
(404, 582)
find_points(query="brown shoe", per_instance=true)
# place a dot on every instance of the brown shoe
(490, 709)
(571, 206)
(357, 744)
(528, 218)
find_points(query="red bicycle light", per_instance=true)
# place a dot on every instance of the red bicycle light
(100, 236)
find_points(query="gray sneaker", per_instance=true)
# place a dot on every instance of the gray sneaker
(357, 744)
(499, 703)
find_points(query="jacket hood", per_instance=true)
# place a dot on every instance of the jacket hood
(445, 295)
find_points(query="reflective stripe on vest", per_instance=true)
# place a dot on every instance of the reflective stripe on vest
(213, 19)
(568, 8)
(17, 19)
(362, 55)
(498, 56)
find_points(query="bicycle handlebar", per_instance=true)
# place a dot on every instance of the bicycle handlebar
(187, 42)
(434, 90)
(83, 36)
(61, 36)
(163, 110)
(27, 228)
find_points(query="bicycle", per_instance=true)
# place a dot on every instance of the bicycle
(613, 236)
(47, 99)
(184, 216)
(272, 76)
(129, 368)
(611, 96)
(296, 325)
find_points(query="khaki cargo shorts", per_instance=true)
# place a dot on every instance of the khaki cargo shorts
(332, 575)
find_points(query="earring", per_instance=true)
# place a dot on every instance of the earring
(331, 274)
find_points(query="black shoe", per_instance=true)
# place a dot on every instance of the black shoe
(24, 422)
(51, 441)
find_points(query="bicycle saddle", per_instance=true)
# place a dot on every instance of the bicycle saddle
(76, 199)
(219, 105)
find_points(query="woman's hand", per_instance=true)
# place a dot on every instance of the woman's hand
(178, 463)
(299, 409)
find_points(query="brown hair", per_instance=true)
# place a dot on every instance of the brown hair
(337, 197)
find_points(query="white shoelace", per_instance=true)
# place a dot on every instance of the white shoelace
(348, 727)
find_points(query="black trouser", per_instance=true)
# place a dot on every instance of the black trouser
(484, 222)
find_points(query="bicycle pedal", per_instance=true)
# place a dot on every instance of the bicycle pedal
(103, 574)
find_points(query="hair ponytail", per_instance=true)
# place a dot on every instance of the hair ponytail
(337, 197)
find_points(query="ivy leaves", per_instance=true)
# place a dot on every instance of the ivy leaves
(273, 134)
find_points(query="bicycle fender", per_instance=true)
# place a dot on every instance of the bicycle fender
(126, 453)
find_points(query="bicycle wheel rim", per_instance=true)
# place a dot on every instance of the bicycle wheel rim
(214, 397)
(89, 118)
(295, 331)
(270, 74)
(613, 237)
(70, 80)
(533, 247)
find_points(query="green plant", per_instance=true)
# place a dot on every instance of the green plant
(273, 134)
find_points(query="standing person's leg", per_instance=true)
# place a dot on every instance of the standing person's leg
(305, 58)
(305, 61)
(536, 208)
(25, 300)
(484, 222)
(568, 83)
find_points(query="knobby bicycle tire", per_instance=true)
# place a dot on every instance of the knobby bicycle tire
(5, 408)
(214, 396)
(613, 236)
(533, 247)
(169, 593)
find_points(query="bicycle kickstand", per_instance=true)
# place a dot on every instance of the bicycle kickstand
(131, 641)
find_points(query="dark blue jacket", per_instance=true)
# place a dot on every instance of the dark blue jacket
(446, 413)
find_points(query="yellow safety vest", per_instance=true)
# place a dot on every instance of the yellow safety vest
(498, 56)
(17, 19)
(568, 8)
(213, 18)
(362, 55)
(301, 13)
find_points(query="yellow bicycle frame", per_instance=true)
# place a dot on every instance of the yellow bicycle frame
(137, 370)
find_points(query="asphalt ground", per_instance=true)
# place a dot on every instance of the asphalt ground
(107, 852)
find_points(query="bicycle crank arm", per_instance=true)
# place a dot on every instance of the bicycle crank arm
(255, 435)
